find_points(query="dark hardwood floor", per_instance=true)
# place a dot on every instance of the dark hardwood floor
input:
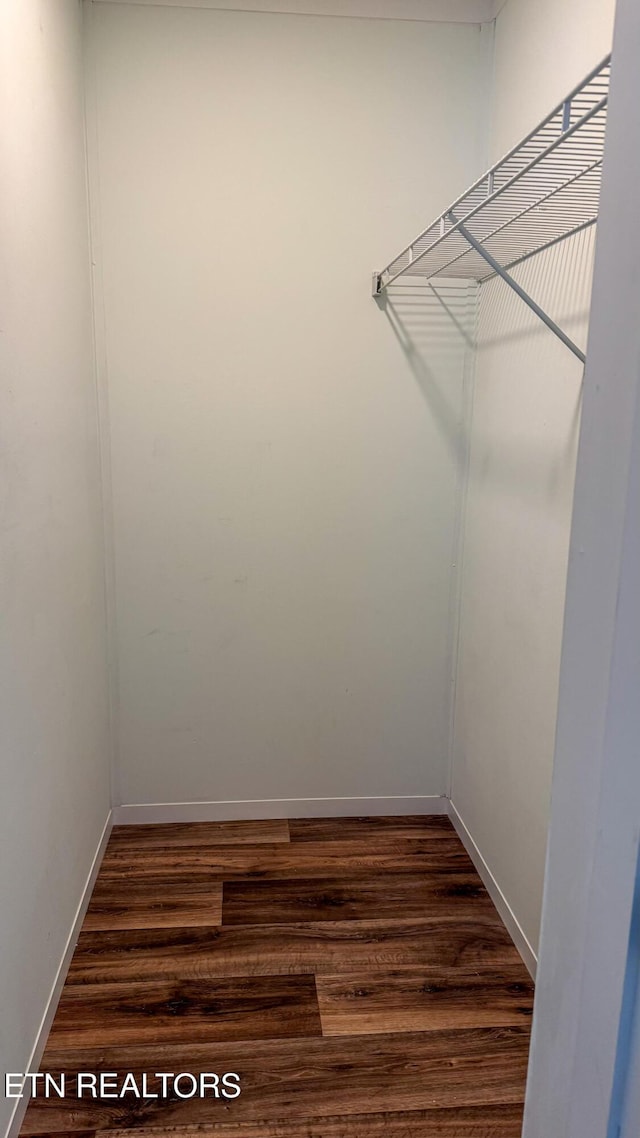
(353, 972)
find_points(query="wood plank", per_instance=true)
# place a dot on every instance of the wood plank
(327, 946)
(446, 892)
(424, 1000)
(153, 902)
(309, 859)
(170, 834)
(471, 1122)
(298, 1078)
(372, 829)
(186, 1011)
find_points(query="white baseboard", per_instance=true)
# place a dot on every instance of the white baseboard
(233, 811)
(20, 1108)
(497, 896)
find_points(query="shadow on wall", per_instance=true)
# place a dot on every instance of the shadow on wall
(528, 385)
(449, 326)
(559, 279)
(434, 324)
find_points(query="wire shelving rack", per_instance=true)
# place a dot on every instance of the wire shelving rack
(544, 190)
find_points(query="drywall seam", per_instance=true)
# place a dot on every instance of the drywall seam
(101, 384)
(505, 911)
(466, 425)
(21, 1104)
(138, 813)
(457, 559)
(489, 111)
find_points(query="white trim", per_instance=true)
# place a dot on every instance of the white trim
(505, 911)
(592, 852)
(20, 1108)
(237, 810)
(422, 11)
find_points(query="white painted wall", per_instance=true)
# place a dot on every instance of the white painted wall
(446, 11)
(53, 684)
(542, 50)
(284, 476)
(527, 396)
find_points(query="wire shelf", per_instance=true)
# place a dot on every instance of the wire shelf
(545, 189)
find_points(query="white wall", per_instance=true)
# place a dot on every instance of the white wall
(542, 50)
(284, 473)
(527, 396)
(53, 688)
(447, 11)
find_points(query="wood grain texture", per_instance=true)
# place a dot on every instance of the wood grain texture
(165, 836)
(471, 1122)
(299, 1078)
(448, 892)
(378, 830)
(423, 1000)
(157, 902)
(474, 1122)
(308, 859)
(479, 942)
(202, 1011)
(354, 972)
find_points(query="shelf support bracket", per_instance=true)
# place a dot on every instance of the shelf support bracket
(513, 284)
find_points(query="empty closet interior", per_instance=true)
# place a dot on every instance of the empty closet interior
(273, 547)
